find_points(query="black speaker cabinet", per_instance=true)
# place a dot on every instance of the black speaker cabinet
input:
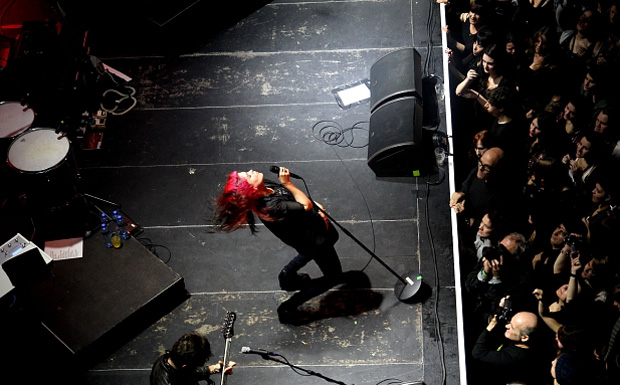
(395, 137)
(395, 75)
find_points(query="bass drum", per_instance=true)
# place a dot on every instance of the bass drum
(44, 174)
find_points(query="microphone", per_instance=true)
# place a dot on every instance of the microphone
(246, 350)
(276, 170)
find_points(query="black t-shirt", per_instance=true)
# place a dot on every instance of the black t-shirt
(164, 374)
(501, 361)
(291, 223)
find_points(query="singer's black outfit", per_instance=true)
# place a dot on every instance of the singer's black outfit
(164, 374)
(306, 232)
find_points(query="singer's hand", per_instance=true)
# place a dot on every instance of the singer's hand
(284, 176)
(322, 214)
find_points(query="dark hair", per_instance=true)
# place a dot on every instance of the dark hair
(503, 98)
(574, 338)
(611, 133)
(485, 37)
(500, 57)
(191, 350)
(550, 38)
(610, 185)
(579, 101)
(482, 8)
(498, 223)
(546, 121)
(597, 147)
(597, 72)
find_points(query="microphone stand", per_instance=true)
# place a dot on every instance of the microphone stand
(406, 288)
(310, 372)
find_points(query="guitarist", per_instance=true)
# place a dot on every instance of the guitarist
(185, 363)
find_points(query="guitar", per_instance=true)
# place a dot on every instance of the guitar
(227, 332)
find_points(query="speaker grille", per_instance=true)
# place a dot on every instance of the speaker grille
(395, 133)
(395, 75)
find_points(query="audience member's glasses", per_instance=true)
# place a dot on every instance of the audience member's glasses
(484, 167)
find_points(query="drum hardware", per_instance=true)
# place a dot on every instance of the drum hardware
(44, 168)
(44, 176)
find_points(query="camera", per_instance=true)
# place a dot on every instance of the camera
(505, 313)
(491, 253)
(574, 242)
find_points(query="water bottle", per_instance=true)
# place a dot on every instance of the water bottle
(121, 223)
(105, 233)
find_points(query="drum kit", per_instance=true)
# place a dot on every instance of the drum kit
(40, 160)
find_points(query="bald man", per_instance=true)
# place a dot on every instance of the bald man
(507, 356)
(481, 190)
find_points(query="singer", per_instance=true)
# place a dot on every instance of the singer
(292, 217)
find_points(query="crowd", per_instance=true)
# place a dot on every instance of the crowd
(536, 147)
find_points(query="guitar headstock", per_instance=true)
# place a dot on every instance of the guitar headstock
(228, 328)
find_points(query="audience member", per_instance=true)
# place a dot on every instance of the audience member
(494, 72)
(491, 229)
(461, 38)
(539, 78)
(507, 356)
(599, 239)
(565, 82)
(582, 41)
(498, 274)
(480, 143)
(481, 190)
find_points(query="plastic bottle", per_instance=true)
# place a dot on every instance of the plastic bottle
(116, 240)
(121, 223)
(105, 233)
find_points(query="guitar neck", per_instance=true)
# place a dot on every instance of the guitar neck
(225, 361)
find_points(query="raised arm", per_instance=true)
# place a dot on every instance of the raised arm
(301, 198)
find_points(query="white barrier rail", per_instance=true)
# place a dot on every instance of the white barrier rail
(453, 219)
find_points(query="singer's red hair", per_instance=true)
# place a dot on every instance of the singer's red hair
(236, 204)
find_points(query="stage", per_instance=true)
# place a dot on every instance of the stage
(248, 96)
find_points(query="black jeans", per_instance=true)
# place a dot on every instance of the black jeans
(328, 261)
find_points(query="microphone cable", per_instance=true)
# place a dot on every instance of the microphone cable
(431, 242)
(333, 134)
(152, 247)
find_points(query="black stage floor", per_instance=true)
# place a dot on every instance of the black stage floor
(242, 88)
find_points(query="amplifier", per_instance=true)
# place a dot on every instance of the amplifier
(10, 251)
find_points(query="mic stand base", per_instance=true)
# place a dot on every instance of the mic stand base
(406, 292)
(406, 287)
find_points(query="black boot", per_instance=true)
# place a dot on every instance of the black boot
(288, 314)
(293, 281)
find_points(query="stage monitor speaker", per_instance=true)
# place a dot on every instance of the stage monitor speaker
(395, 137)
(395, 75)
